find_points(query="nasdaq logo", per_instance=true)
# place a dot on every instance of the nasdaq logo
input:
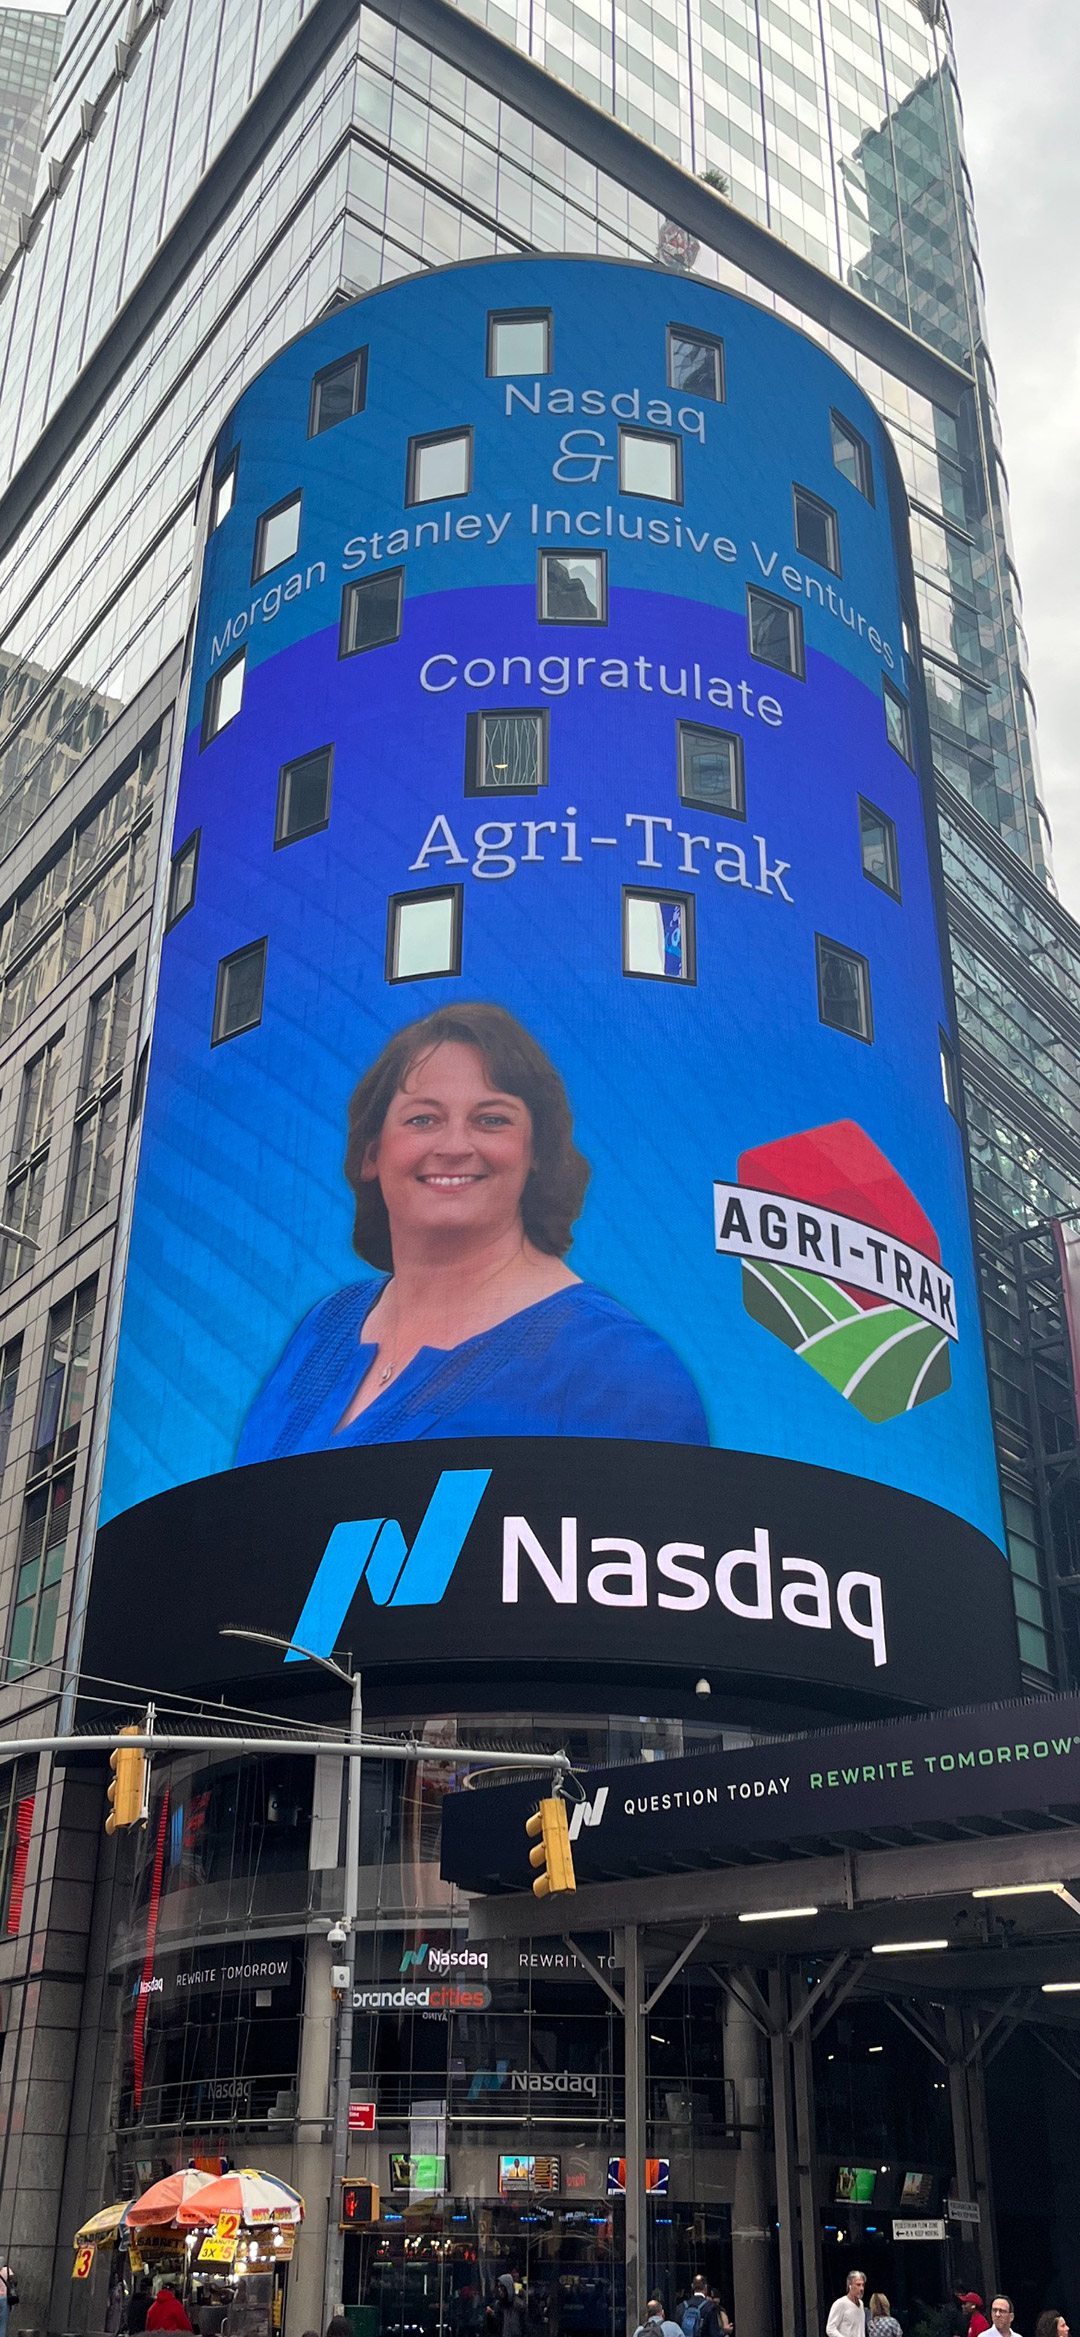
(587, 1813)
(374, 1550)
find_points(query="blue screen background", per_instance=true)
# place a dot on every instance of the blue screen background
(242, 1217)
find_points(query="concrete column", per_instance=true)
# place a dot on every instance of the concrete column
(980, 2153)
(744, 2064)
(311, 2159)
(787, 2215)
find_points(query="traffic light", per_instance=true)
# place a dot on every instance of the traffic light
(360, 2206)
(127, 1793)
(552, 1854)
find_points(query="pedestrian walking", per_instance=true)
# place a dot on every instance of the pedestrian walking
(694, 2306)
(974, 2313)
(1001, 2315)
(656, 2323)
(9, 2295)
(167, 2312)
(847, 2317)
(882, 2321)
(1051, 2324)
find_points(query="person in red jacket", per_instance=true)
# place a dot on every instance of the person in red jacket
(167, 2312)
(977, 2322)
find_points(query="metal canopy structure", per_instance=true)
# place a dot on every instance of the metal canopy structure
(784, 1976)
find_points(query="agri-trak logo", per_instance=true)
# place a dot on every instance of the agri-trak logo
(842, 1264)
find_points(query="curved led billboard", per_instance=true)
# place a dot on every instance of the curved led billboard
(552, 1244)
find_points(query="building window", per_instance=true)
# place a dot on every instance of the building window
(711, 769)
(572, 588)
(877, 839)
(338, 392)
(658, 935)
(17, 1794)
(224, 697)
(439, 465)
(29, 1162)
(10, 1359)
(97, 1120)
(817, 533)
(506, 751)
(90, 881)
(519, 341)
(371, 612)
(277, 534)
(63, 1381)
(695, 363)
(423, 934)
(897, 721)
(183, 870)
(241, 980)
(303, 801)
(650, 463)
(776, 631)
(949, 1080)
(38, 1572)
(844, 989)
(851, 455)
(223, 494)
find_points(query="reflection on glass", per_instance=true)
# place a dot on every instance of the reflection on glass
(371, 612)
(423, 937)
(511, 751)
(880, 858)
(520, 343)
(649, 465)
(695, 363)
(239, 1002)
(843, 989)
(440, 466)
(277, 536)
(711, 769)
(656, 936)
(572, 588)
(776, 634)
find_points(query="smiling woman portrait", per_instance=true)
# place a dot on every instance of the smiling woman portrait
(467, 1182)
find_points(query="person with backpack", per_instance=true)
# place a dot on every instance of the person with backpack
(9, 2295)
(656, 2323)
(691, 2315)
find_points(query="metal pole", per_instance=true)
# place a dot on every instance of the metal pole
(749, 2216)
(335, 2239)
(634, 2130)
(806, 2164)
(786, 2208)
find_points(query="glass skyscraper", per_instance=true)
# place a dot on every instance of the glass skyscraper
(215, 176)
(29, 47)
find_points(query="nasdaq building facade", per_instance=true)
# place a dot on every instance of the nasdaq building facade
(554, 925)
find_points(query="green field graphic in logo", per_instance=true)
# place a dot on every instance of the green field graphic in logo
(877, 1323)
(884, 1360)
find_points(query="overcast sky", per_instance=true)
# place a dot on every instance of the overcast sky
(1019, 71)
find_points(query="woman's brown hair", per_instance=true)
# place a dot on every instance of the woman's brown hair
(555, 1187)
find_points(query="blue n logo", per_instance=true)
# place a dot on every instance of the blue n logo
(375, 1548)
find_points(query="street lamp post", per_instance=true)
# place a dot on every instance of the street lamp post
(335, 2238)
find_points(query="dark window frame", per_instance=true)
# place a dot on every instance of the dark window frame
(629, 430)
(351, 591)
(455, 894)
(18, 1795)
(864, 458)
(892, 696)
(358, 358)
(702, 340)
(417, 445)
(212, 699)
(572, 552)
(44, 1499)
(229, 469)
(315, 827)
(950, 1072)
(686, 730)
(25, 1184)
(832, 528)
(688, 903)
(474, 750)
(218, 1036)
(95, 1101)
(55, 1384)
(893, 891)
(192, 844)
(285, 503)
(793, 611)
(823, 942)
(519, 316)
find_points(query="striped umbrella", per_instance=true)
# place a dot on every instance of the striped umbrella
(102, 2226)
(162, 2202)
(257, 2198)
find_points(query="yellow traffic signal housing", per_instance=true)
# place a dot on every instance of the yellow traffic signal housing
(127, 1793)
(552, 1854)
